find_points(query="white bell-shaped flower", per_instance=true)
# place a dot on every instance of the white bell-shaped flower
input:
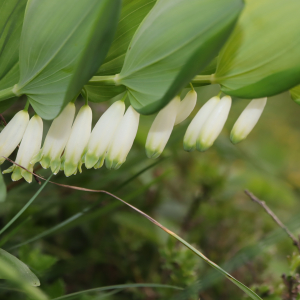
(193, 131)
(29, 147)
(214, 124)
(186, 106)
(161, 129)
(102, 135)
(123, 139)
(12, 134)
(79, 137)
(247, 120)
(56, 140)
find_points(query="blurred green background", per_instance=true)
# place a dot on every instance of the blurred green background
(75, 241)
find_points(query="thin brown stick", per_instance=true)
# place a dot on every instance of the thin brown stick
(3, 120)
(274, 217)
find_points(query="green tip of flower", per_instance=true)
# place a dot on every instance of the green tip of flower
(189, 147)
(70, 169)
(37, 157)
(55, 166)
(235, 139)
(202, 146)
(9, 170)
(2, 160)
(151, 153)
(45, 162)
(90, 160)
(26, 175)
(16, 175)
(79, 167)
(99, 163)
(113, 164)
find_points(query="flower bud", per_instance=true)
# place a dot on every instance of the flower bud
(214, 124)
(29, 147)
(161, 129)
(123, 139)
(193, 131)
(56, 140)
(247, 120)
(186, 106)
(79, 137)
(12, 134)
(102, 135)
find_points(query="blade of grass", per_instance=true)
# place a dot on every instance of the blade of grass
(120, 286)
(53, 229)
(25, 206)
(93, 215)
(244, 288)
(13, 231)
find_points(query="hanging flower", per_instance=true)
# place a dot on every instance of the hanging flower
(247, 120)
(123, 139)
(29, 147)
(79, 137)
(56, 140)
(102, 135)
(214, 124)
(12, 134)
(193, 131)
(186, 106)
(161, 129)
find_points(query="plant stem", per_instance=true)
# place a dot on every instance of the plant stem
(192, 87)
(26, 106)
(103, 80)
(210, 79)
(113, 80)
(274, 217)
(7, 93)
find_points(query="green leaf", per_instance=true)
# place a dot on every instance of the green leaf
(11, 20)
(295, 94)
(97, 92)
(132, 14)
(22, 269)
(2, 188)
(25, 206)
(262, 56)
(173, 44)
(58, 60)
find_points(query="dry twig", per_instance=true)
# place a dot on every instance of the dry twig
(274, 217)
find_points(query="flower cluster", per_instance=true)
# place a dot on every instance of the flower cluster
(70, 143)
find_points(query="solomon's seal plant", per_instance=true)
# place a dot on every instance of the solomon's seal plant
(150, 61)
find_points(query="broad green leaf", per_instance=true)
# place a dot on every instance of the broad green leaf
(11, 20)
(97, 92)
(63, 43)
(132, 14)
(295, 94)
(173, 44)
(2, 187)
(262, 56)
(22, 269)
